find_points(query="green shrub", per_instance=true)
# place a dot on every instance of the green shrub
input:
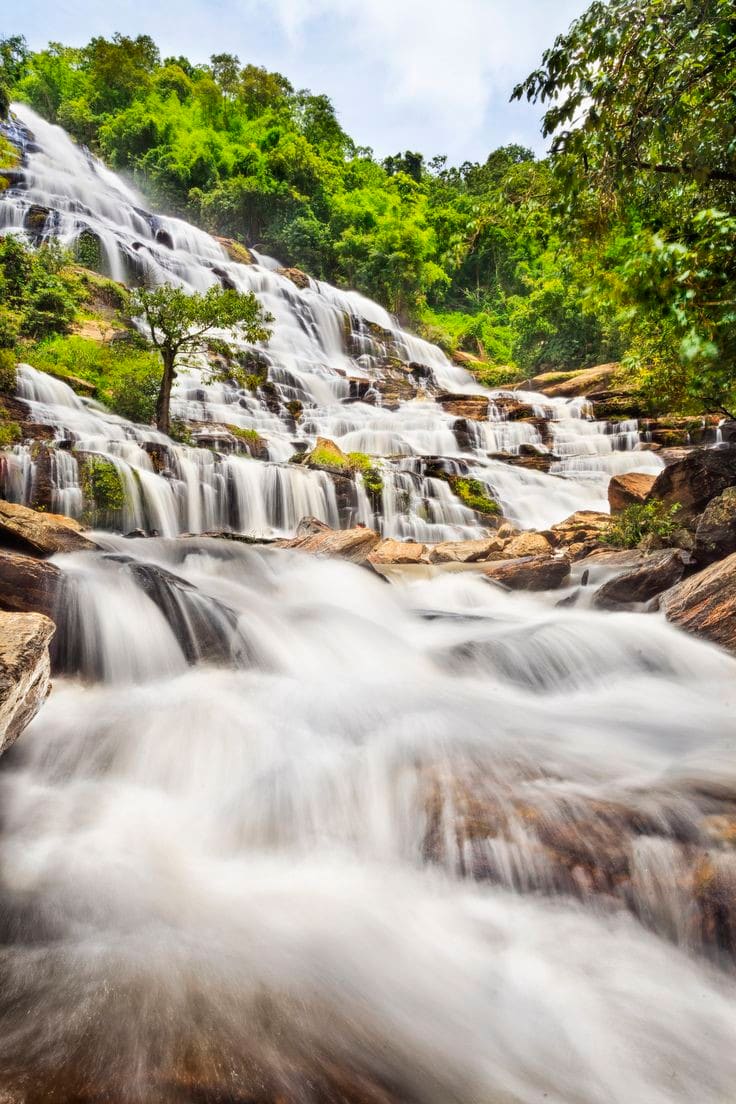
(648, 519)
(10, 432)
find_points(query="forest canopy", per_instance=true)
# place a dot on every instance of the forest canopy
(619, 245)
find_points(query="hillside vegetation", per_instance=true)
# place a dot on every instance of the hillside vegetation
(618, 246)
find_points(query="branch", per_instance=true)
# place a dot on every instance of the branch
(686, 170)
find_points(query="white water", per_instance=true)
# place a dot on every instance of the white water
(323, 338)
(223, 868)
(234, 858)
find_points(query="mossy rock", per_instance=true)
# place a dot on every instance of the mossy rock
(102, 488)
(474, 494)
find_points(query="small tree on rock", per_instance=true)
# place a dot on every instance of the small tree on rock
(177, 322)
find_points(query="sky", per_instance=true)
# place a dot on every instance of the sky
(403, 74)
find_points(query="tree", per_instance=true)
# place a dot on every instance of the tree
(177, 322)
(643, 87)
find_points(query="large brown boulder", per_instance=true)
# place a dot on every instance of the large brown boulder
(39, 532)
(25, 671)
(527, 544)
(28, 585)
(315, 537)
(696, 479)
(705, 604)
(297, 277)
(581, 533)
(628, 490)
(654, 573)
(529, 572)
(568, 385)
(467, 551)
(715, 536)
(398, 552)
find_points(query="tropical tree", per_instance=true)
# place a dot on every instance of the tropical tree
(178, 322)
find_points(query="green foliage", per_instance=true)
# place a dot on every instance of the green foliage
(250, 436)
(37, 289)
(8, 380)
(648, 519)
(474, 495)
(102, 488)
(10, 432)
(126, 378)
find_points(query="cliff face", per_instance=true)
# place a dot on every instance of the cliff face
(24, 671)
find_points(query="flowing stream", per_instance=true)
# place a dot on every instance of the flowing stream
(286, 832)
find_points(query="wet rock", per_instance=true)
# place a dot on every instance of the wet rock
(696, 479)
(514, 410)
(567, 385)
(27, 584)
(297, 277)
(235, 250)
(641, 583)
(468, 551)
(705, 604)
(581, 533)
(398, 552)
(715, 536)
(626, 490)
(25, 671)
(527, 544)
(529, 572)
(39, 532)
(315, 537)
(326, 456)
(474, 407)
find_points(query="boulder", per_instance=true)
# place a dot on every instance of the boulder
(398, 552)
(693, 481)
(568, 385)
(474, 407)
(529, 572)
(653, 574)
(297, 277)
(527, 544)
(629, 489)
(315, 537)
(25, 670)
(235, 250)
(39, 532)
(581, 533)
(715, 536)
(705, 604)
(468, 551)
(28, 585)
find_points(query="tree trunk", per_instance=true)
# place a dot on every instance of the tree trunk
(164, 396)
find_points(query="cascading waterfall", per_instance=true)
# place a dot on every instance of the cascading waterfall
(284, 832)
(236, 859)
(329, 351)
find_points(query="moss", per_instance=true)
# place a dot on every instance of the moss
(180, 431)
(328, 458)
(474, 495)
(9, 155)
(371, 476)
(88, 250)
(252, 436)
(102, 487)
(295, 408)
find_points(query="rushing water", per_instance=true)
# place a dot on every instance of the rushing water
(220, 876)
(329, 351)
(285, 832)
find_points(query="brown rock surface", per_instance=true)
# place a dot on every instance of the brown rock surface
(529, 572)
(715, 536)
(297, 277)
(315, 537)
(696, 479)
(705, 604)
(41, 532)
(656, 572)
(28, 585)
(25, 670)
(398, 552)
(474, 407)
(467, 551)
(527, 544)
(626, 490)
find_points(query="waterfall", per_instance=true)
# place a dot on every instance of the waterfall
(360, 380)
